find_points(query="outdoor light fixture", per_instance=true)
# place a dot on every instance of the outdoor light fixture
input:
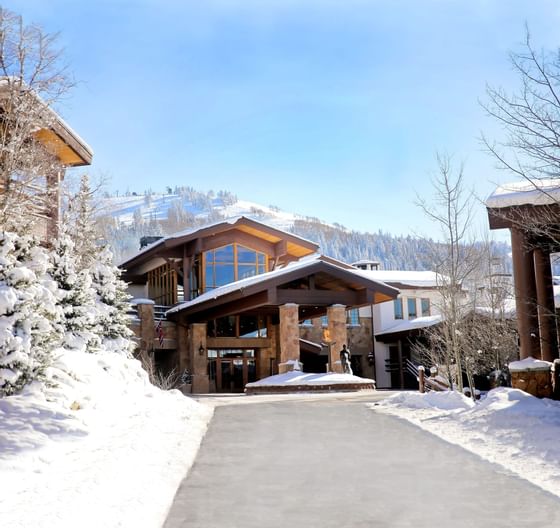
(201, 349)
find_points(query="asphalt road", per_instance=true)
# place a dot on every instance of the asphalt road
(335, 463)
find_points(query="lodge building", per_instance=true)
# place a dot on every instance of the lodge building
(232, 297)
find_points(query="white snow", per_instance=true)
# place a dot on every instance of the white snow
(302, 378)
(534, 192)
(103, 447)
(412, 324)
(529, 363)
(421, 279)
(509, 427)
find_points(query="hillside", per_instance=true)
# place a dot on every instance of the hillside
(125, 219)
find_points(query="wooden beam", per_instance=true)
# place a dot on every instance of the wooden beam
(319, 297)
(229, 237)
(238, 342)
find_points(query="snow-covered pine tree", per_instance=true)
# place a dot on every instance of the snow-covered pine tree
(111, 324)
(81, 226)
(76, 296)
(30, 318)
(112, 305)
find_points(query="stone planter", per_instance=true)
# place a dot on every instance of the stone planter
(532, 376)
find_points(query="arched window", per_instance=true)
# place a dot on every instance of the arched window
(231, 263)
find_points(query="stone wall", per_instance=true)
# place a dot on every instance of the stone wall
(535, 382)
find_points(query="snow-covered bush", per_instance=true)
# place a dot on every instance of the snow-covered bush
(30, 318)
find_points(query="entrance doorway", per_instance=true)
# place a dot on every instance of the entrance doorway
(231, 369)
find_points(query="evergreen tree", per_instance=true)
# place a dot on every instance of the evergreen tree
(82, 227)
(30, 319)
(75, 295)
(96, 260)
(112, 305)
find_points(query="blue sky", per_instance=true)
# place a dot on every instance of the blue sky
(327, 108)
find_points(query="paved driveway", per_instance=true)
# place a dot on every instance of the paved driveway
(324, 462)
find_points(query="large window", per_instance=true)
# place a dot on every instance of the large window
(238, 326)
(231, 263)
(353, 317)
(397, 307)
(411, 303)
(425, 307)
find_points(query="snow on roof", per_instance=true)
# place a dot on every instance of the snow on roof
(239, 285)
(311, 343)
(529, 363)
(299, 378)
(412, 324)
(508, 309)
(534, 192)
(421, 279)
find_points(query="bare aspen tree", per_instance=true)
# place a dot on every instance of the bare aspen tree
(454, 260)
(32, 79)
(530, 121)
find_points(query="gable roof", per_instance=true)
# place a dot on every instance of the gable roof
(296, 246)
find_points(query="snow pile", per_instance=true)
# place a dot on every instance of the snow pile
(296, 377)
(529, 363)
(102, 447)
(510, 428)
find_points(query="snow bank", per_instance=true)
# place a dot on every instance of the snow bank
(445, 401)
(510, 428)
(103, 447)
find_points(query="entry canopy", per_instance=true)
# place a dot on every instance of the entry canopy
(312, 283)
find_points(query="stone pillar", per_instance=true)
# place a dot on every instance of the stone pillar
(289, 336)
(525, 296)
(545, 305)
(53, 207)
(336, 315)
(147, 329)
(198, 360)
(183, 349)
(268, 356)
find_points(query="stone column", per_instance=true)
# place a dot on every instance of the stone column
(199, 361)
(183, 348)
(53, 207)
(336, 315)
(545, 305)
(147, 330)
(525, 296)
(289, 336)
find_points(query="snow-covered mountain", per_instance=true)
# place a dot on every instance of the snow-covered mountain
(127, 209)
(125, 219)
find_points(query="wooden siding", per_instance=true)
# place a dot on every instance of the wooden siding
(162, 285)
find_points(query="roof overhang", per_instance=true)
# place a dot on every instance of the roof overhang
(54, 134)
(408, 328)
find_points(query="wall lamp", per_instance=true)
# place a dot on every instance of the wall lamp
(201, 349)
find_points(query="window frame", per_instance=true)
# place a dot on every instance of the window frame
(260, 265)
(398, 315)
(428, 312)
(411, 301)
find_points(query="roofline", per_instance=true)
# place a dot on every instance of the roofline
(314, 266)
(60, 127)
(172, 241)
